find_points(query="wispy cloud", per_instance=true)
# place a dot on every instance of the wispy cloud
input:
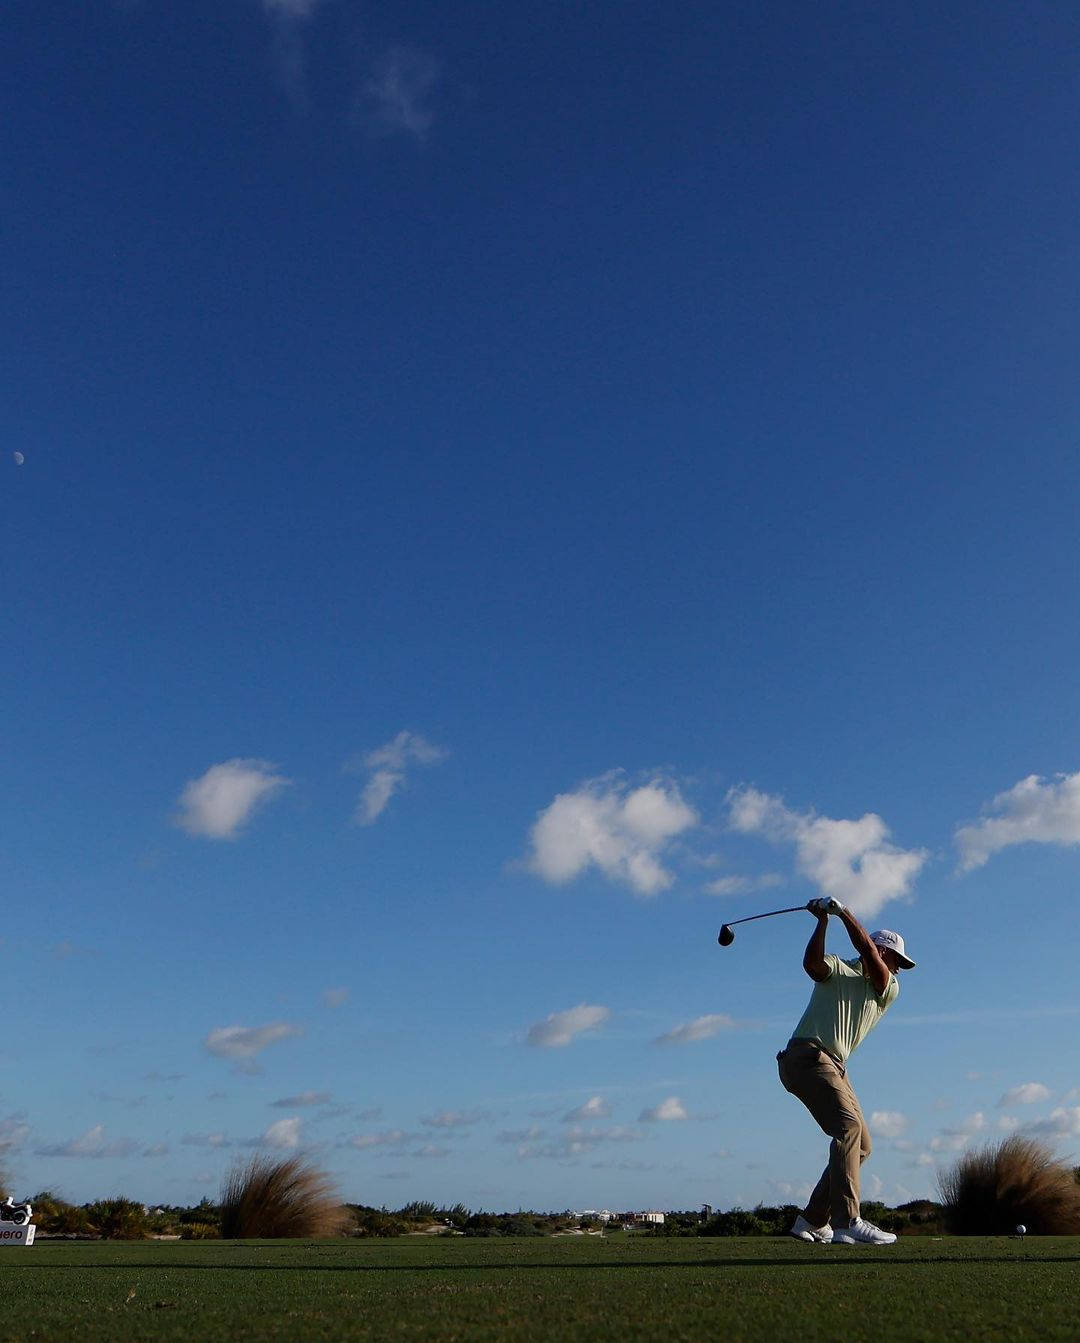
(889, 1123)
(391, 1138)
(284, 1135)
(242, 1044)
(388, 768)
(1027, 1093)
(671, 1108)
(335, 997)
(302, 1101)
(452, 1119)
(956, 1138)
(594, 1108)
(575, 1142)
(560, 1028)
(398, 95)
(288, 20)
(221, 801)
(742, 885)
(217, 1141)
(606, 824)
(93, 1143)
(1033, 811)
(14, 1130)
(701, 1028)
(853, 861)
(1063, 1122)
(291, 9)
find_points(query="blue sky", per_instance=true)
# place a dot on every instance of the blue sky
(489, 496)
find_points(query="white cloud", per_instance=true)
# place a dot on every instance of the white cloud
(1063, 1122)
(291, 9)
(594, 1108)
(576, 1142)
(241, 1044)
(301, 1101)
(335, 997)
(853, 861)
(736, 885)
(672, 1108)
(520, 1135)
(889, 1123)
(948, 1142)
(13, 1133)
(701, 1028)
(448, 1119)
(1033, 811)
(957, 1138)
(1027, 1093)
(388, 766)
(93, 1144)
(560, 1028)
(222, 800)
(621, 831)
(399, 91)
(387, 1138)
(218, 1140)
(284, 1135)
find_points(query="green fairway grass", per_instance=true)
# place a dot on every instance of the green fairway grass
(621, 1287)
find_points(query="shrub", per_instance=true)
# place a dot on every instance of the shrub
(271, 1198)
(737, 1222)
(118, 1219)
(54, 1216)
(376, 1222)
(992, 1191)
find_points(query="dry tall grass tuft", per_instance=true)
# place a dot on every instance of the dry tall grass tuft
(993, 1191)
(271, 1198)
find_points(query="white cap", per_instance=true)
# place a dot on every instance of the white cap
(890, 941)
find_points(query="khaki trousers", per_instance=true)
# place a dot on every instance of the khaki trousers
(822, 1086)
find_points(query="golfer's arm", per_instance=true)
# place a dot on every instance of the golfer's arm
(860, 940)
(813, 961)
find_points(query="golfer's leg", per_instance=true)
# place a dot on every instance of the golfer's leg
(849, 1149)
(818, 1210)
(816, 1080)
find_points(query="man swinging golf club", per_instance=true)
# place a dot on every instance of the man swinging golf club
(848, 1001)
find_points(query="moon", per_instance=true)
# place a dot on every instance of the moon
(19, 458)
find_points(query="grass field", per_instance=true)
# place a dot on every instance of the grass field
(626, 1288)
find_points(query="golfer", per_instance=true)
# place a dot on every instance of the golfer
(848, 1001)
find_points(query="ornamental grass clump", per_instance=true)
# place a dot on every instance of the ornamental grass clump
(1017, 1183)
(269, 1199)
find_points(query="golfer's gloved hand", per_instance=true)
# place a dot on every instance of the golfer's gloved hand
(825, 905)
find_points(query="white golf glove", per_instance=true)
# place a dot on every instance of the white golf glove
(824, 904)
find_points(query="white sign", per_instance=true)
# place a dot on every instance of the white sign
(17, 1235)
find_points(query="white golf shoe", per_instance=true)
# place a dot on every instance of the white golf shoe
(859, 1232)
(802, 1230)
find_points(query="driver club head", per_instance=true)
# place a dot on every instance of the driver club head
(726, 936)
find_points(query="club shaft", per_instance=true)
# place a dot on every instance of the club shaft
(750, 919)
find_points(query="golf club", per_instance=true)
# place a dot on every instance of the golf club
(726, 936)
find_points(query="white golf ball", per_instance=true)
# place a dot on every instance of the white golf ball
(1021, 1230)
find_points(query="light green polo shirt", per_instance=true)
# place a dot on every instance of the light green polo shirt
(844, 1008)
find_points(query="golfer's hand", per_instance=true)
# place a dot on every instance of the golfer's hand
(820, 907)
